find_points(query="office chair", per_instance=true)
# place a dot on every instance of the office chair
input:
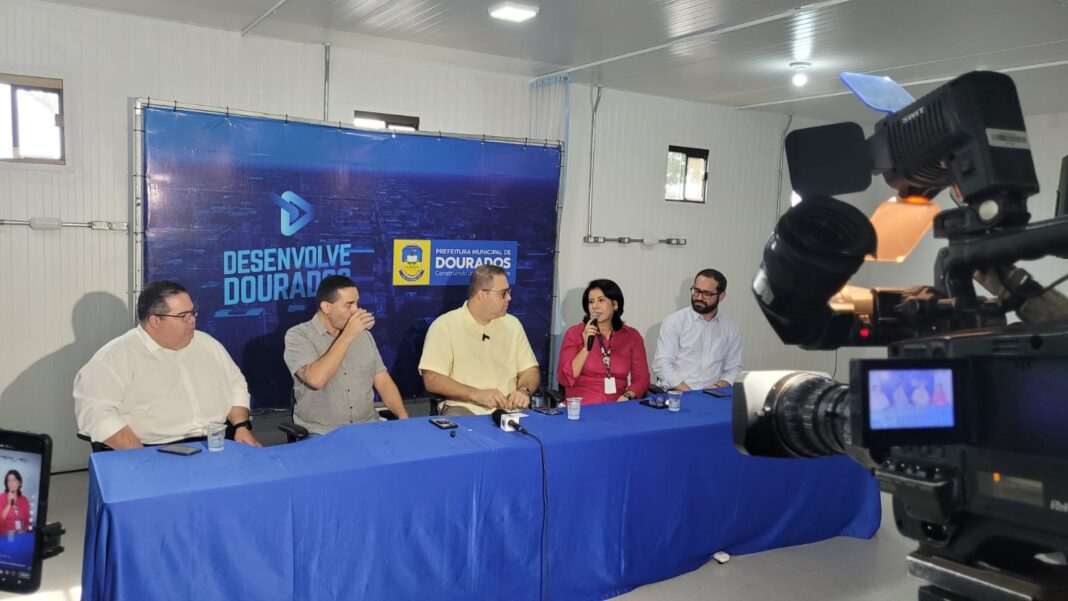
(99, 447)
(297, 433)
(436, 401)
(293, 432)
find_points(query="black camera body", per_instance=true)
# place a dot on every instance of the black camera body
(990, 483)
(965, 422)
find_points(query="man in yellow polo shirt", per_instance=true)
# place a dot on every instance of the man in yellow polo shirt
(478, 357)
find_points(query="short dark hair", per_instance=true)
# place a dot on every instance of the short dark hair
(153, 299)
(328, 288)
(17, 476)
(482, 278)
(612, 292)
(715, 275)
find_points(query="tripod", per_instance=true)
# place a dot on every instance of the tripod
(955, 581)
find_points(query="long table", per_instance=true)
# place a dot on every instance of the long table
(403, 510)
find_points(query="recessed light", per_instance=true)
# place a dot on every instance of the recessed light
(799, 77)
(513, 11)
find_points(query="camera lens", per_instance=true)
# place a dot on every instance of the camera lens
(790, 414)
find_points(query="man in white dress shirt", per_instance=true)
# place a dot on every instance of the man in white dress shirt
(698, 346)
(162, 381)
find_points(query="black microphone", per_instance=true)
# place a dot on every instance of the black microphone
(589, 341)
(498, 416)
(485, 337)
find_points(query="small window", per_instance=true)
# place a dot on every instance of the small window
(369, 120)
(687, 172)
(31, 119)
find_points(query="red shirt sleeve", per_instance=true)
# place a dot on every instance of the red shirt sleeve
(568, 349)
(639, 367)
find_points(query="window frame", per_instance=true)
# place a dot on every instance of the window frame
(689, 153)
(392, 121)
(32, 83)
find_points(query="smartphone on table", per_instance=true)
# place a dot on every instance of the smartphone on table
(444, 424)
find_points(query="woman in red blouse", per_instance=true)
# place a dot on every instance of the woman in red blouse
(15, 514)
(613, 367)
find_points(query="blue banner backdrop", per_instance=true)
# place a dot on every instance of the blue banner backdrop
(251, 213)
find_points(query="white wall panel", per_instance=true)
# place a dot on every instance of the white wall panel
(728, 232)
(444, 97)
(63, 294)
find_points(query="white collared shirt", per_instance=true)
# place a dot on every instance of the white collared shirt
(698, 352)
(162, 394)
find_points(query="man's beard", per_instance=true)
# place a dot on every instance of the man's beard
(704, 310)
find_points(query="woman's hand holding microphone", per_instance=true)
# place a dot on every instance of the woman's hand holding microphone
(590, 330)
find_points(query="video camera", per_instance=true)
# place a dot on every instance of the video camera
(26, 539)
(965, 423)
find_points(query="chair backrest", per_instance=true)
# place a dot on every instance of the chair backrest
(554, 398)
(436, 402)
(293, 431)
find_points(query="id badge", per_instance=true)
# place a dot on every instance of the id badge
(609, 385)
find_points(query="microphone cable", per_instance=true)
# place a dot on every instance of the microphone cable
(498, 418)
(544, 514)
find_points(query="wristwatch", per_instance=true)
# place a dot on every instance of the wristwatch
(630, 395)
(245, 424)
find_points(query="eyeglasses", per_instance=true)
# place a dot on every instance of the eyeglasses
(503, 293)
(705, 294)
(184, 315)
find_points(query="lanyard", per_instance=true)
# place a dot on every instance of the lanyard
(606, 356)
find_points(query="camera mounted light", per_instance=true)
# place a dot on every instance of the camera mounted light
(900, 224)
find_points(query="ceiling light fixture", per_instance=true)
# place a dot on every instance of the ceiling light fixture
(513, 11)
(799, 67)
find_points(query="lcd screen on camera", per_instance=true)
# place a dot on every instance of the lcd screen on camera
(901, 399)
(18, 513)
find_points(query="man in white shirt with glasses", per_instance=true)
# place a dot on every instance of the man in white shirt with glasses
(698, 346)
(163, 381)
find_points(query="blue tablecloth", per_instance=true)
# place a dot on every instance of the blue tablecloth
(401, 510)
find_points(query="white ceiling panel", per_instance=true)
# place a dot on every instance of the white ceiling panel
(228, 15)
(730, 52)
(565, 32)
